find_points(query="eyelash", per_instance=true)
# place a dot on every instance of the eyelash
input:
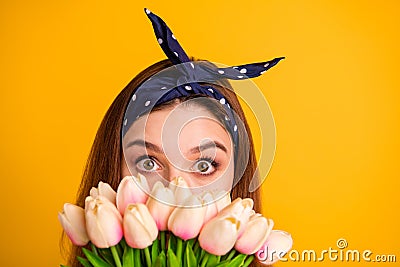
(205, 158)
(212, 162)
(146, 157)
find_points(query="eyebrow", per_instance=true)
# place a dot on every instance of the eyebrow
(193, 150)
(146, 144)
(208, 145)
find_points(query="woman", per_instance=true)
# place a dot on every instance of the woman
(113, 154)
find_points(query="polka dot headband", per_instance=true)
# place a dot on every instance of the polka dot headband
(184, 79)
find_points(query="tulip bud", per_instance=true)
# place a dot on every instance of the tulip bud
(210, 205)
(277, 245)
(131, 190)
(139, 227)
(254, 236)
(223, 199)
(241, 209)
(219, 235)
(187, 221)
(103, 222)
(180, 189)
(105, 190)
(72, 219)
(160, 205)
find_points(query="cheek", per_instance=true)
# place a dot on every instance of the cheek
(221, 180)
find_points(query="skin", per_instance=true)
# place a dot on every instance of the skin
(183, 140)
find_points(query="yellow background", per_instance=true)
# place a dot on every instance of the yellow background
(335, 101)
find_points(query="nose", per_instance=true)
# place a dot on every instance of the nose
(174, 171)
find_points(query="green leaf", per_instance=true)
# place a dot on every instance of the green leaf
(172, 260)
(94, 259)
(203, 258)
(222, 263)
(231, 254)
(105, 254)
(237, 261)
(155, 250)
(127, 258)
(190, 258)
(171, 242)
(160, 260)
(212, 260)
(123, 244)
(248, 261)
(83, 261)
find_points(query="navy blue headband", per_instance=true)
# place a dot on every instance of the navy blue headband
(184, 79)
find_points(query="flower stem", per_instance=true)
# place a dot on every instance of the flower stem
(136, 253)
(115, 256)
(148, 258)
(162, 236)
(231, 254)
(179, 248)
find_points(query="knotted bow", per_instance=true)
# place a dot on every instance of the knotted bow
(184, 79)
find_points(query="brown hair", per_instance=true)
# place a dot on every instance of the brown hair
(105, 158)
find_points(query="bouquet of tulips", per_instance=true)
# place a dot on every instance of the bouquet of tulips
(171, 227)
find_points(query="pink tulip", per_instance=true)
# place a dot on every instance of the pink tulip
(215, 202)
(277, 245)
(180, 189)
(219, 235)
(103, 222)
(131, 190)
(241, 209)
(210, 205)
(72, 219)
(160, 205)
(223, 199)
(254, 236)
(139, 227)
(187, 221)
(105, 190)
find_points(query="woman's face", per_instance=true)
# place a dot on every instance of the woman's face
(182, 140)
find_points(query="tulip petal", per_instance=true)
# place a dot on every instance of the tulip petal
(160, 205)
(223, 199)
(219, 235)
(181, 190)
(72, 219)
(103, 222)
(187, 221)
(139, 227)
(106, 190)
(210, 205)
(277, 245)
(254, 236)
(131, 190)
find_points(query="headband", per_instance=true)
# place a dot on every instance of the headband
(184, 79)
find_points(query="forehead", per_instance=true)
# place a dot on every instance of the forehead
(186, 126)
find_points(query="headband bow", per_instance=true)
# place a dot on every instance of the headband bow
(184, 79)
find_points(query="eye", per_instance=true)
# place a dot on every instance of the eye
(147, 165)
(204, 166)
